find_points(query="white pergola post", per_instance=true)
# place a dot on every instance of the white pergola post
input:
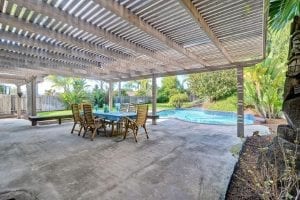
(154, 92)
(119, 92)
(240, 102)
(110, 96)
(19, 101)
(31, 97)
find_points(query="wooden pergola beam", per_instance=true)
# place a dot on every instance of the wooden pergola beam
(12, 81)
(125, 14)
(24, 62)
(48, 57)
(74, 54)
(33, 28)
(33, 52)
(195, 70)
(55, 13)
(25, 72)
(66, 54)
(37, 63)
(12, 77)
(27, 56)
(197, 16)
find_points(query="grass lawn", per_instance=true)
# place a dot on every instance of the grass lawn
(160, 106)
(228, 104)
(167, 106)
(54, 113)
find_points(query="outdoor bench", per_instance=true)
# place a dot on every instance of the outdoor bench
(150, 116)
(35, 119)
(153, 117)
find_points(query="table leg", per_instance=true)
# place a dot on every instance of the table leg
(112, 128)
(118, 128)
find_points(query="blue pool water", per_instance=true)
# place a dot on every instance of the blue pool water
(205, 116)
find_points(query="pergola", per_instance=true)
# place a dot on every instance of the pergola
(119, 40)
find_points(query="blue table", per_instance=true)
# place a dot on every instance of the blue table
(114, 117)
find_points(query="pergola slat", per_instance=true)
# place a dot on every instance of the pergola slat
(125, 13)
(132, 39)
(41, 7)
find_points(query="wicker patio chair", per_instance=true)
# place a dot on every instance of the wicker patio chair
(92, 123)
(77, 118)
(140, 121)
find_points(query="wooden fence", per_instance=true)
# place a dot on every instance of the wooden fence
(5, 104)
(133, 99)
(8, 103)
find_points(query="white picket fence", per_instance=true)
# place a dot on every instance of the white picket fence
(5, 104)
(133, 99)
(8, 103)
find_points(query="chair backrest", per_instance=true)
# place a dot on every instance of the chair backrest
(131, 107)
(124, 107)
(88, 114)
(142, 112)
(75, 112)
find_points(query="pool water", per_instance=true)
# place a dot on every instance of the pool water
(205, 116)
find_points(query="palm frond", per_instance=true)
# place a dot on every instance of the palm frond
(282, 12)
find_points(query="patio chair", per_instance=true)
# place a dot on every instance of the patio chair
(77, 118)
(131, 107)
(92, 123)
(140, 121)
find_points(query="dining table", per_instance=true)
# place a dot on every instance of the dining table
(114, 117)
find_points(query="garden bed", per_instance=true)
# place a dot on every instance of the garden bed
(242, 185)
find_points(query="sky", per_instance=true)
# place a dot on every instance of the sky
(46, 84)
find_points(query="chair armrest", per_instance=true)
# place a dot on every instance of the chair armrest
(99, 120)
(129, 120)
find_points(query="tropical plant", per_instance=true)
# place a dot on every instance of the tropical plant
(74, 89)
(50, 92)
(77, 94)
(98, 96)
(177, 100)
(282, 12)
(214, 85)
(170, 86)
(60, 82)
(2, 89)
(264, 87)
(144, 87)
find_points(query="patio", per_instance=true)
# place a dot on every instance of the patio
(51, 163)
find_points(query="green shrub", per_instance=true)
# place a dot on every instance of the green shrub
(214, 85)
(178, 99)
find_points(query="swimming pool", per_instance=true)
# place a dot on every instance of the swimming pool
(205, 116)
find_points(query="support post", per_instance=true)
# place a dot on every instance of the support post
(19, 95)
(110, 96)
(119, 92)
(31, 97)
(154, 92)
(240, 102)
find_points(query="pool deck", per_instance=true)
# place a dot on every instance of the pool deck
(181, 160)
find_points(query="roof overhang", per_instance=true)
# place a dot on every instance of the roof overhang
(130, 39)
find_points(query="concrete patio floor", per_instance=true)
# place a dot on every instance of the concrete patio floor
(181, 160)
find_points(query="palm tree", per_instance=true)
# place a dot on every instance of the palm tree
(60, 82)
